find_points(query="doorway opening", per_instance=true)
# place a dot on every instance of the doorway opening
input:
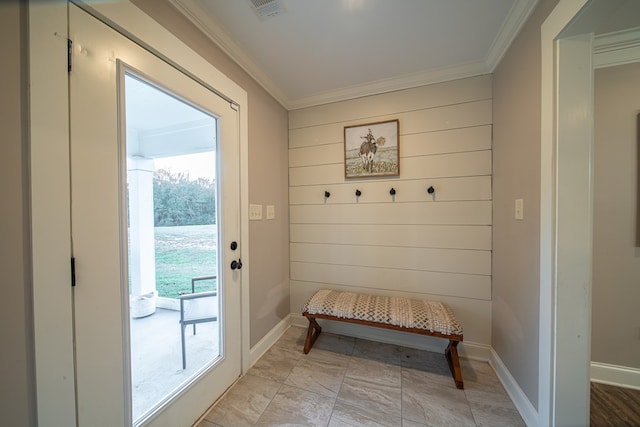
(172, 254)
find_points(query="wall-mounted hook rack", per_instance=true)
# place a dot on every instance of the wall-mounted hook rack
(327, 194)
(392, 191)
(358, 193)
(431, 190)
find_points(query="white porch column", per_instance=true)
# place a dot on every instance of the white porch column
(142, 257)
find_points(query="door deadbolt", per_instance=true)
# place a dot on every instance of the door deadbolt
(236, 265)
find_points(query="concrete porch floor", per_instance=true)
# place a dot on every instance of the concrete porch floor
(156, 357)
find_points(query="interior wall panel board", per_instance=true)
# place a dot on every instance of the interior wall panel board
(471, 163)
(404, 235)
(473, 138)
(421, 259)
(436, 246)
(444, 213)
(436, 166)
(446, 190)
(316, 155)
(426, 282)
(332, 133)
(476, 138)
(447, 93)
(313, 175)
(447, 117)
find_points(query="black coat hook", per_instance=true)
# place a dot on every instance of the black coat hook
(431, 190)
(392, 191)
(358, 193)
(327, 194)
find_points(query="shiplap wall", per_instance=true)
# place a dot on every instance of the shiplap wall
(413, 244)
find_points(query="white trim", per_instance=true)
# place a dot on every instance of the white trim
(50, 213)
(258, 350)
(558, 19)
(520, 400)
(518, 16)
(620, 376)
(618, 48)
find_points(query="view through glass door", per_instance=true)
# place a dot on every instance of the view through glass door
(172, 243)
(155, 206)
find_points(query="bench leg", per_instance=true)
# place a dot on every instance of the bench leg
(451, 354)
(312, 334)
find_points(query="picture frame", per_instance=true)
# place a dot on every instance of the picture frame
(372, 149)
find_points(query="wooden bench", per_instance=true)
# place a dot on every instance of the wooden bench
(422, 317)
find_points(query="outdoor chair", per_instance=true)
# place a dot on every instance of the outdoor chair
(196, 308)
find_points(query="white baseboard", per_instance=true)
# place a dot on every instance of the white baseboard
(267, 341)
(527, 411)
(621, 376)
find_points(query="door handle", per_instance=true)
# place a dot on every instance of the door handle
(236, 265)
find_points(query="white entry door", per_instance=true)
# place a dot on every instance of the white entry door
(105, 245)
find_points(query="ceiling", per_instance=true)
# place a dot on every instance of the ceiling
(319, 51)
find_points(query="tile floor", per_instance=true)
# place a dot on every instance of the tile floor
(345, 381)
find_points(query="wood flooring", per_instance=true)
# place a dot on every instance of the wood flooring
(614, 406)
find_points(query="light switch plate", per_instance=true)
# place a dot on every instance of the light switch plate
(255, 212)
(271, 211)
(519, 210)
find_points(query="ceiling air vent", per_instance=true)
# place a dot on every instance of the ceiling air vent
(267, 9)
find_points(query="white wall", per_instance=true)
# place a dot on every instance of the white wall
(418, 245)
(17, 388)
(615, 336)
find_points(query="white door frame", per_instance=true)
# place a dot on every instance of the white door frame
(50, 193)
(566, 210)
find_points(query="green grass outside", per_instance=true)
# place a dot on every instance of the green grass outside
(183, 252)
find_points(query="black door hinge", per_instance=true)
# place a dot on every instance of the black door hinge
(69, 53)
(73, 272)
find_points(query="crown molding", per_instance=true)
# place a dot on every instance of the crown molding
(617, 48)
(210, 27)
(518, 15)
(392, 84)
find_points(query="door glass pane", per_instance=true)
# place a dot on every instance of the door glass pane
(172, 244)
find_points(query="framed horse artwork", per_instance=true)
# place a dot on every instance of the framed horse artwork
(371, 150)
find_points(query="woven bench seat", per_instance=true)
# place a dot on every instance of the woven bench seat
(422, 317)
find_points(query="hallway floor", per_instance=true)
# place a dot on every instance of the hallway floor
(345, 381)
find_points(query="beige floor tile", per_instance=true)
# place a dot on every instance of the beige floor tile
(478, 375)
(321, 372)
(433, 403)
(353, 416)
(292, 339)
(493, 409)
(293, 406)
(345, 381)
(374, 372)
(276, 364)
(380, 352)
(409, 423)
(335, 343)
(244, 403)
(371, 395)
(428, 361)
